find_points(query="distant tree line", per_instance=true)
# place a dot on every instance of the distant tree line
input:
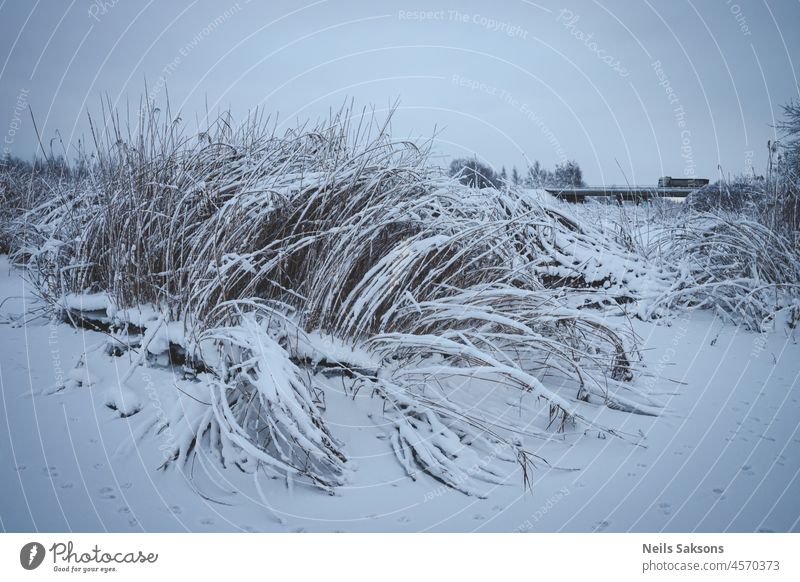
(54, 167)
(471, 172)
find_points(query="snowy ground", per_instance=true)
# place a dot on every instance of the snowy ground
(724, 456)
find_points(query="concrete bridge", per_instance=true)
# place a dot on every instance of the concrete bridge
(667, 187)
(620, 193)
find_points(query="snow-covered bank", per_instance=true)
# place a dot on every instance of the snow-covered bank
(725, 454)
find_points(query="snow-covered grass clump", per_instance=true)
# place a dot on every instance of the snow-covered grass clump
(742, 269)
(677, 258)
(257, 260)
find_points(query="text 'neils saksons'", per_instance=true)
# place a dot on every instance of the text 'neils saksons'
(663, 548)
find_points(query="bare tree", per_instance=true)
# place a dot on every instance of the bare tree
(471, 172)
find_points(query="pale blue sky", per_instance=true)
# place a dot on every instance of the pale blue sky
(508, 81)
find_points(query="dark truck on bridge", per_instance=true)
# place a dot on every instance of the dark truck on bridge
(670, 182)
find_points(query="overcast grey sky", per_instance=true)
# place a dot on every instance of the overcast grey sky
(643, 88)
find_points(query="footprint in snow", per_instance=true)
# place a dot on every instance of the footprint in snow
(19, 468)
(207, 521)
(66, 485)
(125, 510)
(97, 466)
(50, 471)
(717, 490)
(107, 493)
(404, 519)
(601, 525)
(478, 517)
(175, 510)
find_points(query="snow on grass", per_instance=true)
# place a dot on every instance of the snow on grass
(259, 268)
(721, 456)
